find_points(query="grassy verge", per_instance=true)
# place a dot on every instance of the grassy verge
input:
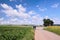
(55, 29)
(16, 33)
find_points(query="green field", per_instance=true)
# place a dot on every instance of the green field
(54, 29)
(9, 32)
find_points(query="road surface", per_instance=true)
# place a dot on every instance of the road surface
(41, 34)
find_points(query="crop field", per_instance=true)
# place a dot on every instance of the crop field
(8, 32)
(54, 29)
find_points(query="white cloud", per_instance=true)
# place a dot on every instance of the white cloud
(10, 21)
(21, 13)
(6, 7)
(55, 5)
(13, 19)
(41, 9)
(9, 11)
(31, 12)
(20, 8)
(37, 19)
(46, 17)
(56, 20)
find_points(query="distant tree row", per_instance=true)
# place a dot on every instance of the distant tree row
(48, 22)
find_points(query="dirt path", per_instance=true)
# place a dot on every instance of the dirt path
(41, 34)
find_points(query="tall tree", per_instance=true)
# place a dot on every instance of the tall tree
(47, 22)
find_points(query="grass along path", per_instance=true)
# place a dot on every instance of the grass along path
(54, 29)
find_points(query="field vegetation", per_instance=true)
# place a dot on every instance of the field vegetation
(54, 29)
(10, 32)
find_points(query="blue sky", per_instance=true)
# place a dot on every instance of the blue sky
(29, 11)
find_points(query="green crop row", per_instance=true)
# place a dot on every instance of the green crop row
(16, 33)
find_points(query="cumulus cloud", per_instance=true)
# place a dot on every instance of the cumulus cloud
(55, 5)
(29, 17)
(31, 12)
(37, 19)
(20, 12)
(20, 8)
(56, 20)
(11, 21)
(9, 11)
(6, 7)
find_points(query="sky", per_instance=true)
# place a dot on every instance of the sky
(29, 11)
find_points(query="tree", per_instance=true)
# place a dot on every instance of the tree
(51, 22)
(47, 22)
